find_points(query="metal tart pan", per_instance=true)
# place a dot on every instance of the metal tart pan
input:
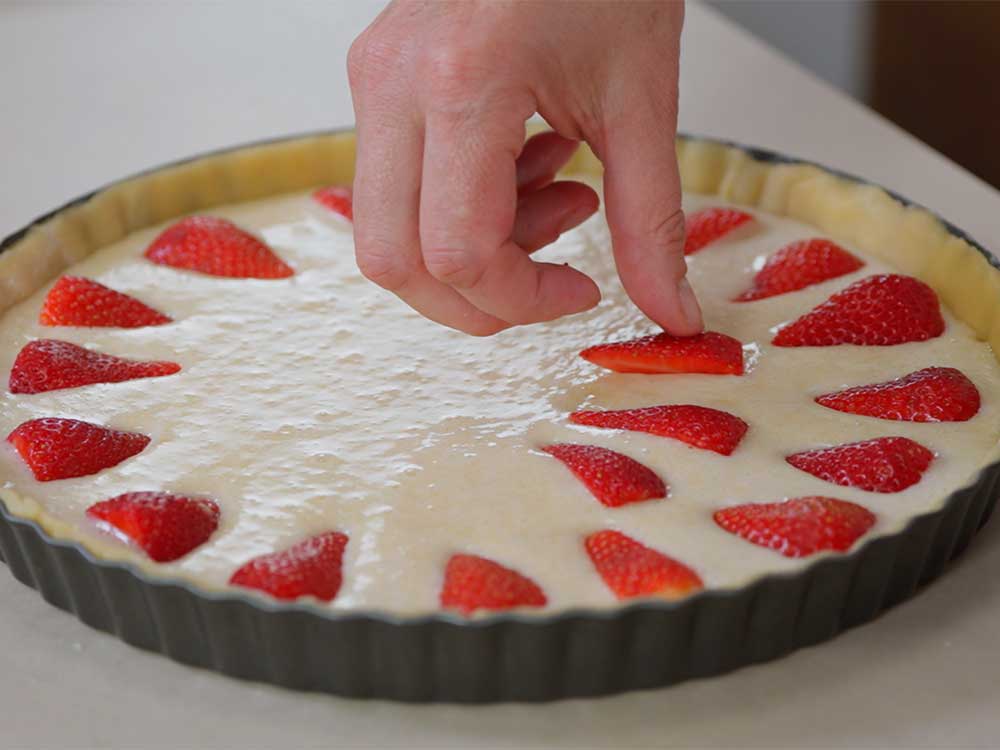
(500, 657)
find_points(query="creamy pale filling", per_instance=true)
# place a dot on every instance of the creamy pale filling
(322, 402)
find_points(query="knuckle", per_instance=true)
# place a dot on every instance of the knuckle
(356, 61)
(669, 230)
(590, 120)
(453, 266)
(480, 325)
(664, 236)
(452, 72)
(484, 329)
(381, 264)
(373, 61)
(668, 233)
(461, 85)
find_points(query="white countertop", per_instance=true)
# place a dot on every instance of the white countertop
(92, 92)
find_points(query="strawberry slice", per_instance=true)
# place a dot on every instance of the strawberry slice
(885, 464)
(49, 365)
(166, 527)
(799, 265)
(216, 247)
(709, 352)
(336, 198)
(632, 569)
(700, 426)
(313, 567)
(934, 394)
(879, 310)
(472, 582)
(798, 527)
(76, 301)
(613, 478)
(57, 448)
(710, 224)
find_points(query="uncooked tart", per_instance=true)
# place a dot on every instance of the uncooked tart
(311, 415)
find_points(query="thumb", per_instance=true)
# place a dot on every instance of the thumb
(642, 195)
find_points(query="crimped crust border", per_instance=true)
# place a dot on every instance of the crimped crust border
(905, 235)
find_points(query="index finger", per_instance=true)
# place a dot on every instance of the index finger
(642, 196)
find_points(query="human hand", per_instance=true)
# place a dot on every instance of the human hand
(448, 198)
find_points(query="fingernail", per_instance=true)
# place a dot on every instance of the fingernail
(690, 308)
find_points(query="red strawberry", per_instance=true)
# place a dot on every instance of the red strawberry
(709, 352)
(798, 527)
(337, 199)
(886, 464)
(699, 426)
(164, 526)
(709, 224)
(935, 394)
(75, 301)
(614, 479)
(48, 365)
(799, 265)
(632, 569)
(472, 582)
(876, 311)
(310, 568)
(56, 448)
(216, 247)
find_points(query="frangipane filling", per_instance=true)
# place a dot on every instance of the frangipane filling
(226, 400)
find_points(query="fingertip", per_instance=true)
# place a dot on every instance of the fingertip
(578, 292)
(691, 321)
(545, 214)
(482, 329)
(580, 200)
(588, 201)
(671, 305)
(541, 158)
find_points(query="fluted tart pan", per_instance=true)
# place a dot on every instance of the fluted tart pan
(507, 656)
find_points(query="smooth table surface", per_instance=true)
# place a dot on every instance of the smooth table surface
(92, 92)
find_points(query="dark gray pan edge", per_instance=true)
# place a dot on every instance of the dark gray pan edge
(501, 657)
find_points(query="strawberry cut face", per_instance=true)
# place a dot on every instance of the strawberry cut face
(613, 478)
(934, 394)
(631, 569)
(887, 464)
(76, 301)
(698, 426)
(881, 310)
(798, 527)
(711, 353)
(57, 448)
(50, 365)
(313, 567)
(166, 527)
(799, 265)
(216, 247)
(336, 198)
(707, 225)
(473, 583)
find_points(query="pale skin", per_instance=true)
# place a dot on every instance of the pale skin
(449, 199)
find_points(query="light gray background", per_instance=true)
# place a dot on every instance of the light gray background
(91, 92)
(830, 37)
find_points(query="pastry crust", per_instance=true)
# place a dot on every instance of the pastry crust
(907, 237)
